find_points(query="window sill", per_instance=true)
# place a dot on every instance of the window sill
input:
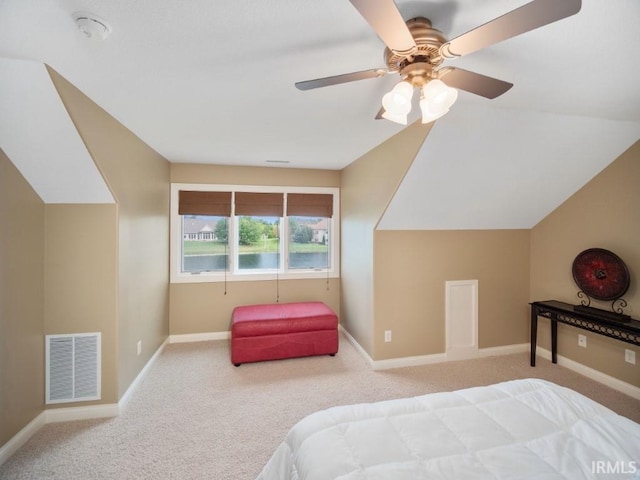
(208, 277)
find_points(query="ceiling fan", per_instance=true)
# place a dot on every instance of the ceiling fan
(415, 50)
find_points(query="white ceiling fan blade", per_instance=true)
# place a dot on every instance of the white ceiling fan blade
(521, 20)
(385, 19)
(338, 79)
(472, 82)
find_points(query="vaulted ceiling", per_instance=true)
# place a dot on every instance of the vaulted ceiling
(213, 82)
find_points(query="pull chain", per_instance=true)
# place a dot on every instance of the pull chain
(226, 265)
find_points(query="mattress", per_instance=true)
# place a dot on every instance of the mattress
(519, 429)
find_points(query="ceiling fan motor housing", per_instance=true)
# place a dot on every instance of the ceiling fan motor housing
(417, 67)
(428, 41)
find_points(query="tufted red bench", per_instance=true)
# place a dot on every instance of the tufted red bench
(282, 330)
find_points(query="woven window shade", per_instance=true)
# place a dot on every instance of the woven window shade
(259, 204)
(204, 203)
(310, 204)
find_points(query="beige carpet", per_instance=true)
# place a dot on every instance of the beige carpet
(195, 416)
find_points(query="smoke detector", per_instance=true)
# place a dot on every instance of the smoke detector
(91, 25)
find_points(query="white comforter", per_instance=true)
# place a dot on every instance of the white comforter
(513, 430)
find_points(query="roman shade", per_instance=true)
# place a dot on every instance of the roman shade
(310, 204)
(204, 203)
(259, 204)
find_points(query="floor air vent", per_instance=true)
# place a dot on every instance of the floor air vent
(73, 367)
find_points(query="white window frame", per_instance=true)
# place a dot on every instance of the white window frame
(233, 275)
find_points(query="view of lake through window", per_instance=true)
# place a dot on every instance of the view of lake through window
(308, 243)
(205, 243)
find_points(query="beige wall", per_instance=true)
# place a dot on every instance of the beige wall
(204, 307)
(604, 213)
(139, 180)
(21, 301)
(228, 175)
(368, 185)
(410, 271)
(80, 281)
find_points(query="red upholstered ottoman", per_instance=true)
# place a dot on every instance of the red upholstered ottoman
(282, 330)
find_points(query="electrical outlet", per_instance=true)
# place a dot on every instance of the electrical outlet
(629, 356)
(139, 347)
(387, 335)
(582, 341)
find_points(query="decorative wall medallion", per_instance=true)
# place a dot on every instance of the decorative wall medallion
(602, 275)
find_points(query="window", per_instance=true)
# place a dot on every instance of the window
(204, 243)
(309, 243)
(258, 246)
(253, 233)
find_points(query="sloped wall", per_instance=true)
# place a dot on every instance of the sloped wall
(368, 185)
(21, 301)
(604, 213)
(139, 180)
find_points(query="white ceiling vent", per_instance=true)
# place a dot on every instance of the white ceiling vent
(72, 367)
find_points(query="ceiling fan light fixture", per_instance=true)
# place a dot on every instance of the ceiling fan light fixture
(404, 89)
(401, 119)
(439, 95)
(429, 115)
(432, 108)
(436, 100)
(398, 100)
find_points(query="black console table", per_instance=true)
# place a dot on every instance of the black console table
(626, 331)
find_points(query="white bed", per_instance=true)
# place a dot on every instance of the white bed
(529, 428)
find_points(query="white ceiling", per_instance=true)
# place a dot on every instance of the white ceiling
(45, 147)
(213, 81)
(480, 182)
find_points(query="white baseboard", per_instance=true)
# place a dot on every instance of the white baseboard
(427, 359)
(356, 345)
(122, 403)
(68, 414)
(392, 362)
(54, 415)
(588, 372)
(199, 337)
(409, 361)
(593, 374)
(504, 350)
(20, 438)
